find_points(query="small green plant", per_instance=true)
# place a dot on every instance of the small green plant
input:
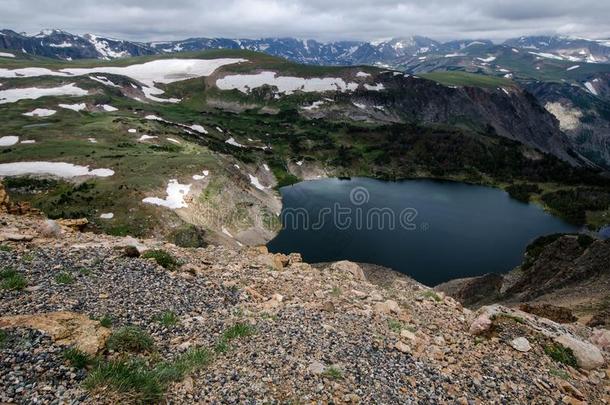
(130, 339)
(77, 358)
(432, 295)
(27, 257)
(3, 338)
(11, 279)
(64, 278)
(335, 292)
(163, 258)
(510, 317)
(221, 347)
(561, 354)
(559, 373)
(84, 271)
(333, 373)
(5, 248)
(394, 325)
(106, 321)
(167, 318)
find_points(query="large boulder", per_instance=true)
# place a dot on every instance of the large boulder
(347, 267)
(481, 324)
(49, 229)
(588, 356)
(65, 328)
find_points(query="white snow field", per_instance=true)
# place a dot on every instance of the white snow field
(198, 128)
(40, 112)
(286, 84)
(256, 182)
(6, 55)
(13, 95)
(74, 107)
(175, 196)
(158, 71)
(591, 88)
(59, 169)
(9, 140)
(109, 108)
(232, 141)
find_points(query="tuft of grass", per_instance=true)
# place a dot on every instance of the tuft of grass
(3, 337)
(336, 292)
(5, 248)
(163, 258)
(167, 319)
(561, 354)
(394, 325)
(132, 376)
(192, 360)
(333, 373)
(77, 358)
(130, 339)
(64, 278)
(432, 295)
(126, 376)
(12, 280)
(237, 331)
(234, 332)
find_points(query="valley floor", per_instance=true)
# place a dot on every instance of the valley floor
(246, 326)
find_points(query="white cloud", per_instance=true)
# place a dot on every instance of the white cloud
(318, 19)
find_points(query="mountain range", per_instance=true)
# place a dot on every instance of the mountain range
(394, 52)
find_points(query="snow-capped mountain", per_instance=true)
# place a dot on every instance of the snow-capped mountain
(565, 48)
(388, 52)
(60, 44)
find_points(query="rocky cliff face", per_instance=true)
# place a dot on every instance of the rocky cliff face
(508, 112)
(584, 117)
(222, 325)
(569, 272)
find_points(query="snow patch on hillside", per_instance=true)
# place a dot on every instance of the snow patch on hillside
(59, 169)
(74, 107)
(232, 141)
(256, 182)
(109, 108)
(9, 140)
(591, 88)
(6, 55)
(162, 71)
(285, 84)
(40, 112)
(13, 95)
(176, 193)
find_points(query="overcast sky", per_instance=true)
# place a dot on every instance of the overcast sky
(319, 19)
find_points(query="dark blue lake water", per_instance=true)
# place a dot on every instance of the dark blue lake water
(433, 231)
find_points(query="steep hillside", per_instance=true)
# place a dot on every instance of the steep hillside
(224, 325)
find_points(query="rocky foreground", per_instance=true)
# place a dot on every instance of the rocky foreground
(244, 326)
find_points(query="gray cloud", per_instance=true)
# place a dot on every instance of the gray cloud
(319, 19)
